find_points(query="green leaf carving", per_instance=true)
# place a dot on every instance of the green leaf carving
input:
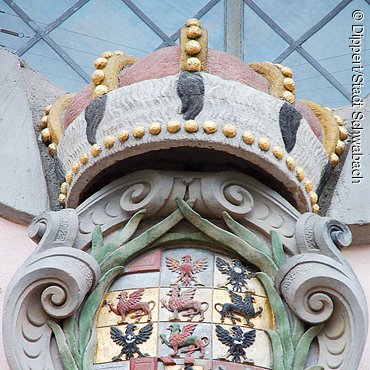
(171, 238)
(90, 308)
(68, 328)
(227, 239)
(298, 330)
(65, 355)
(290, 348)
(304, 346)
(277, 349)
(277, 248)
(96, 242)
(122, 237)
(245, 234)
(281, 318)
(120, 256)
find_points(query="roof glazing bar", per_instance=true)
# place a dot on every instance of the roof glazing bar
(48, 40)
(51, 26)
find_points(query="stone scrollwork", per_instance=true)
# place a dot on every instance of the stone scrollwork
(51, 285)
(320, 287)
(156, 191)
(54, 229)
(226, 192)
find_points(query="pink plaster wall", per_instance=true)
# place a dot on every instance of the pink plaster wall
(359, 259)
(15, 247)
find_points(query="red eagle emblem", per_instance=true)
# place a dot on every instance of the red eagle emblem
(186, 269)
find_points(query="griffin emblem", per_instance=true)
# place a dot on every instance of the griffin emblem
(237, 341)
(130, 340)
(242, 307)
(237, 274)
(184, 340)
(183, 301)
(186, 269)
(128, 303)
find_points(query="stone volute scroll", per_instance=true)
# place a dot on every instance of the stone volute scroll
(189, 236)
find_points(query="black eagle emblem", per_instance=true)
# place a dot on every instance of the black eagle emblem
(237, 341)
(130, 341)
(237, 274)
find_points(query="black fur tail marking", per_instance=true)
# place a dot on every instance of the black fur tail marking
(289, 119)
(94, 113)
(190, 89)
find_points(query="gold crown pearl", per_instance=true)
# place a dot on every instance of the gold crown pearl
(339, 149)
(52, 148)
(334, 160)
(248, 137)
(289, 97)
(173, 126)
(290, 161)
(191, 126)
(100, 90)
(194, 32)
(106, 54)
(210, 127)
(287, 72)
(299, 173)
(308, 185)
(64, 188)
(343, 133)
(45, 135)
(75, 167)
(229, 130)
(123, 136)
(264, 144)
(100, 63)
(95, 150)
(61, 199)
(339, 120)
(97, 76)
(313, 197)
(138, 132)
(118, 52)
(315, 208)
(155, 128)
(84, 158)
(109, 141)
(193, 47)
(278, 152)
(193, 22)
(47, 109)
(193, 65)
(68, 177)
(44, 122)
(289, 83)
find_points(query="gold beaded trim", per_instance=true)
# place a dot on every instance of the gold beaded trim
(51, 122)
(107, 68)
(173, 126)
(335, 133)
(193, 47)
(279, 79)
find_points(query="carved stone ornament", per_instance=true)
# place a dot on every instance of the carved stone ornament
(266, 258)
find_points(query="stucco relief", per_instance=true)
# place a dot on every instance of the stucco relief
(61, 288)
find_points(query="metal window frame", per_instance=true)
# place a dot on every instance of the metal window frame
(206, 8)
(296, 45)
(43, 34)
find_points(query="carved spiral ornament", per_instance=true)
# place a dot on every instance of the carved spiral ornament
(135, 197)
(225, 193)
(150, 190)
(51, 285)
(239, 199)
